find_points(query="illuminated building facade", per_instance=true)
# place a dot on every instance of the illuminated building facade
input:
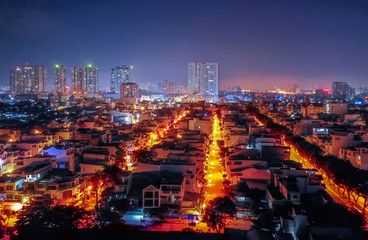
(16, 81)
(209, 82)
(168, 87)
(181, 90)
(28, 78)
(129, 93)
(119, 75)
(40, 78)
(203, 81)
(60, 79)
(321, 94)
(22, 80)
(91, 79)
(341, 91)
(194, 76)
(78, 80)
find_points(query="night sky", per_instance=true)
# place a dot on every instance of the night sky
(257, 43)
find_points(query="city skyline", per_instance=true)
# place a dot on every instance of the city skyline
(258, 44)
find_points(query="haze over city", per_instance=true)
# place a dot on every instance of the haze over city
(258, 44)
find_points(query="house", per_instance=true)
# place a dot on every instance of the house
(312, 109)
(337, 108)
(293, 183)
(92, 166)
(275, 153)
(91, 135)
(182, 167)
(171, 190)
(35, 146)
(343, 139)
(235, 137)
(63, 156)
(123, 185)
(253, 176)
(9, 135)
(155, 189)
(357, 156)
(11, 188)
(244, 158)
(61, 184)
(48, 139)
(203, 125)
(304, 127)
(96, 153)
(151, 197)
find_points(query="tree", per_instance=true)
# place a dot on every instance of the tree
(7, 214)
(219, 212)
(228, 191)
(2, 226)
(142, 155)
(110, 174)
(43, 217)
(119, 158)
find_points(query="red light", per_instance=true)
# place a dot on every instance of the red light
(326, 90)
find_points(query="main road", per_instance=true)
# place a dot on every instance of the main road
(214, 169)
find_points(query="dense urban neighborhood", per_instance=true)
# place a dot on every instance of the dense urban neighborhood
(265, 168)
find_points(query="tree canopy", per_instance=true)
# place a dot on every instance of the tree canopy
(219, 212)
(42, 216)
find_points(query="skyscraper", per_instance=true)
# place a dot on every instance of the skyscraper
(78, 80)
(40, 78)
(16, 81)
(22, 80)
(28, 79)
(209, 82)
(203, 81)
(341, 91)
(119, 75)
(60, 79)
(194, 75)
(91, 79)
